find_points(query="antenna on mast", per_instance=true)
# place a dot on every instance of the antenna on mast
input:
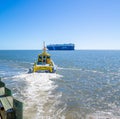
(44, 48)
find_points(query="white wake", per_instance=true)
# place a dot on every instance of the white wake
(38, 95)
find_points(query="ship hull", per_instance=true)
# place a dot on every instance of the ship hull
(61, 47)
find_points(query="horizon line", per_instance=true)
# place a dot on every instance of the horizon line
(60, 50)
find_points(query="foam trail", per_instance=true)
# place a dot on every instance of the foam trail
(102, 115)
(61, 68)
(38, 95)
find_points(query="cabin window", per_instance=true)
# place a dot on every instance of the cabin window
(48, 57)
(44, 57)
(40, 57)
(44, 60)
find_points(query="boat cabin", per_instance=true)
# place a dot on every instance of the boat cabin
(44, 58)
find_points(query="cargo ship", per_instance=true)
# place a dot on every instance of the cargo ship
(69, 46)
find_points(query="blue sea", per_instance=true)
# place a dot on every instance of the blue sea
(86, 84)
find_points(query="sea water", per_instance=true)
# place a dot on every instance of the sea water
(86, 84)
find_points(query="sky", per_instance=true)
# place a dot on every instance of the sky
(89, 24)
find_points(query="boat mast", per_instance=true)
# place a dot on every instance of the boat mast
(44, 48)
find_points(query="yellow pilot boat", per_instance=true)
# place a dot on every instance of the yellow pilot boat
(44, 63)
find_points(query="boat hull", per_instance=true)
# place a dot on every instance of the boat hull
(43, 68)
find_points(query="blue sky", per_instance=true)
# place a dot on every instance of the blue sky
(90, 24)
